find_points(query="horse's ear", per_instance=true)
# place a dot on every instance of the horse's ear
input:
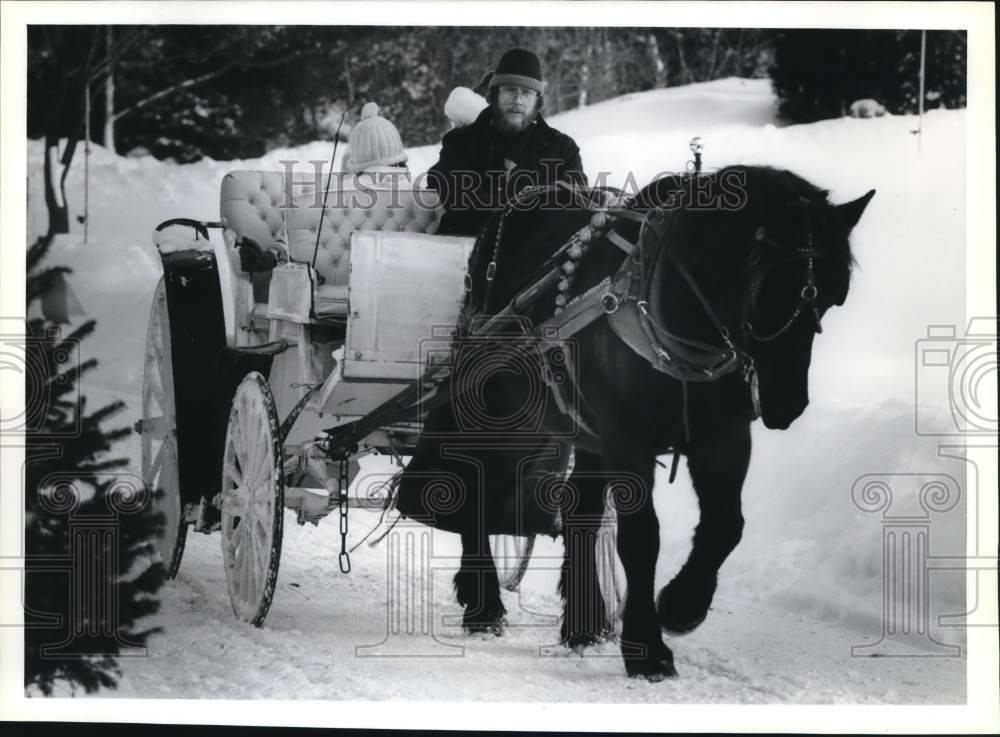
(850, 212)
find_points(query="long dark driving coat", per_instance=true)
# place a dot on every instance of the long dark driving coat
(471, 177)
(494, 479)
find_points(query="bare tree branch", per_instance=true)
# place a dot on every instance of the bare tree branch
(119, 48)
(208, 76)
(166, 92)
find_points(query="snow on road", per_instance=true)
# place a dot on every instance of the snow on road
(806, 583)
(308, 647)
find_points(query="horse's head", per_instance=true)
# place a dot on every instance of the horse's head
(797, 264)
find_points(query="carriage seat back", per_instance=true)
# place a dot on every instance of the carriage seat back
(262, 206)
(383, 199)
(252, 205)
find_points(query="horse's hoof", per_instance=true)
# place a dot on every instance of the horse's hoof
(678, 629)
(579, 641)
(653, 670)
(681, 609)
(495, 627)
(655, 665)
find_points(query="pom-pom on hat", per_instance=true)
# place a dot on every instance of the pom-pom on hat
(374, 141)
(518, 68)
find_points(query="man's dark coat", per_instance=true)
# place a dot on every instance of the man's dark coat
(475, 177)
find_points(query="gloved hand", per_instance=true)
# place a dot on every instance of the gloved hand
(254, 258)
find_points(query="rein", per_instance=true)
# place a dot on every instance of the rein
(699, 361)
(807, 295)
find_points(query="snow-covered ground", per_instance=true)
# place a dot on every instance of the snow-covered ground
(806, 583)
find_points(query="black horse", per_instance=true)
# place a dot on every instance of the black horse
(710, 322)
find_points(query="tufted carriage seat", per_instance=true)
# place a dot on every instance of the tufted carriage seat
(264, 206)
(380, 199)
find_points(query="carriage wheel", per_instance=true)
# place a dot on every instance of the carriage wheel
(511, 555)
(252, 499)
(610, 573)
(158, 433)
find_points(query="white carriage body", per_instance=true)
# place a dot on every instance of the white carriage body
(381, 278)
(368, 299)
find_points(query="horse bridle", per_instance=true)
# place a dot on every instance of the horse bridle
(807, 294)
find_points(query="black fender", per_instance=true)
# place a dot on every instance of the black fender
(197, 337)
(206, 372)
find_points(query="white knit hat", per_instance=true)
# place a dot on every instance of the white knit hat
(374, 141)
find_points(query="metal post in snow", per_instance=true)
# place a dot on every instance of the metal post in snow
(920, 103)
(86, 160)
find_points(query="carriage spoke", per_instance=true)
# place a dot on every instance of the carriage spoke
(238, 450)
(155, 392)
(261, 517)
(233, 472)
(233, 541)
(249, 552)
(261, 463)
(239, 552)
(156, 466)
(246, 569)
(264, 563)
(259, 453)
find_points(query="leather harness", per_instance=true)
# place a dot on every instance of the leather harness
(623, 299)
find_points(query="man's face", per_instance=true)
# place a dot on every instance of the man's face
(516, 108)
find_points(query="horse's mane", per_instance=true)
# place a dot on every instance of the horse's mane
(767, 183)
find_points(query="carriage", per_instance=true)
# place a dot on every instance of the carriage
(262, 391)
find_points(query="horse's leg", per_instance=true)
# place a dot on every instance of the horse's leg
(718, 467)
(642, 645)
(584, 622)
(477, 586)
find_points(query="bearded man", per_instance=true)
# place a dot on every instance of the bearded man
(508, 147)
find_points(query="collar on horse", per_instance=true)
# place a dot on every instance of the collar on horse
(627, 305)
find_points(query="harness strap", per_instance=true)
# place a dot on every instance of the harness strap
(568, 408)
(696, 290)
(686, 359)
(576, 315)
(618, 240)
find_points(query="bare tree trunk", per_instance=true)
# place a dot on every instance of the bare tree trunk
(109, 98)
(738, 55)
(686, 74)
(710, 75)
(348, 80)
(656, 59)
(55, 201)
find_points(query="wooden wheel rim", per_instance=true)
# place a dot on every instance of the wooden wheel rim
(252, 500)
(158, 439)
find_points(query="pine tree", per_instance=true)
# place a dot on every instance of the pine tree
(88, 577)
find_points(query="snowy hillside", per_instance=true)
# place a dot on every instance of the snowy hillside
(806, 583)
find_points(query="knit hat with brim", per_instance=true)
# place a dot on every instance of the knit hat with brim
(374, 141)
(518, 68)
